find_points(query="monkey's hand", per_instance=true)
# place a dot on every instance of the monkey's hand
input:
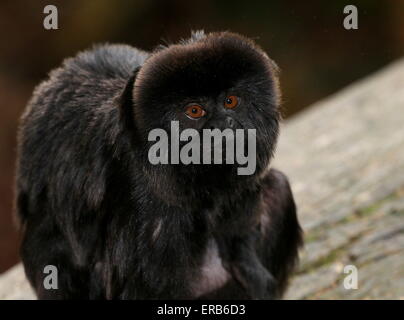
(247, 269)
(255, 279)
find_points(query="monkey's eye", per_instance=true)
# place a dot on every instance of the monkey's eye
(195, 111)
(230, 102)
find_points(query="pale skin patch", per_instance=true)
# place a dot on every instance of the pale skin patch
(212, 273)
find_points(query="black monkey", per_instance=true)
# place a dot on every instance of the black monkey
(116, 226)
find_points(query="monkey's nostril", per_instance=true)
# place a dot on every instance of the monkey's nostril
(230, 122)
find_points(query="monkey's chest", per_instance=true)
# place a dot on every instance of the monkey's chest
(213, 275)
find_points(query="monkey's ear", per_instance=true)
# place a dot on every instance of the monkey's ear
(126, 101)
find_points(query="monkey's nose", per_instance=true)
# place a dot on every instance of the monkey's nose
(223, 123)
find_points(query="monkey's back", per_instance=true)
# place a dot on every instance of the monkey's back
(69, 128)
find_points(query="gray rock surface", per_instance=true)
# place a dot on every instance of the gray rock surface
(14, 286)
(345, 160)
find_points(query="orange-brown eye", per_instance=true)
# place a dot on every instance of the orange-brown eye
(230, 102)
(195, 111)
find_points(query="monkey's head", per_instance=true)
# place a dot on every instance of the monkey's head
(214, 81)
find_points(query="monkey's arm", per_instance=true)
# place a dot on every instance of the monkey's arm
(248, 270)
(262, 257)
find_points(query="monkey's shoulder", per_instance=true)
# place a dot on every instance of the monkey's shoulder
(108, 61)
(85, 83)
(98, 72)
(74, 112)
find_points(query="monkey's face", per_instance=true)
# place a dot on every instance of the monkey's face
(222, 81)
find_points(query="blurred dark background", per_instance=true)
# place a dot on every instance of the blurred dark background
(307, 39)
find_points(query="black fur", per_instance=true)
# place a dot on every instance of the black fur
(118, 227)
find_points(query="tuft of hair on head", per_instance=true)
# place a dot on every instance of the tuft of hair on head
(196, 35)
